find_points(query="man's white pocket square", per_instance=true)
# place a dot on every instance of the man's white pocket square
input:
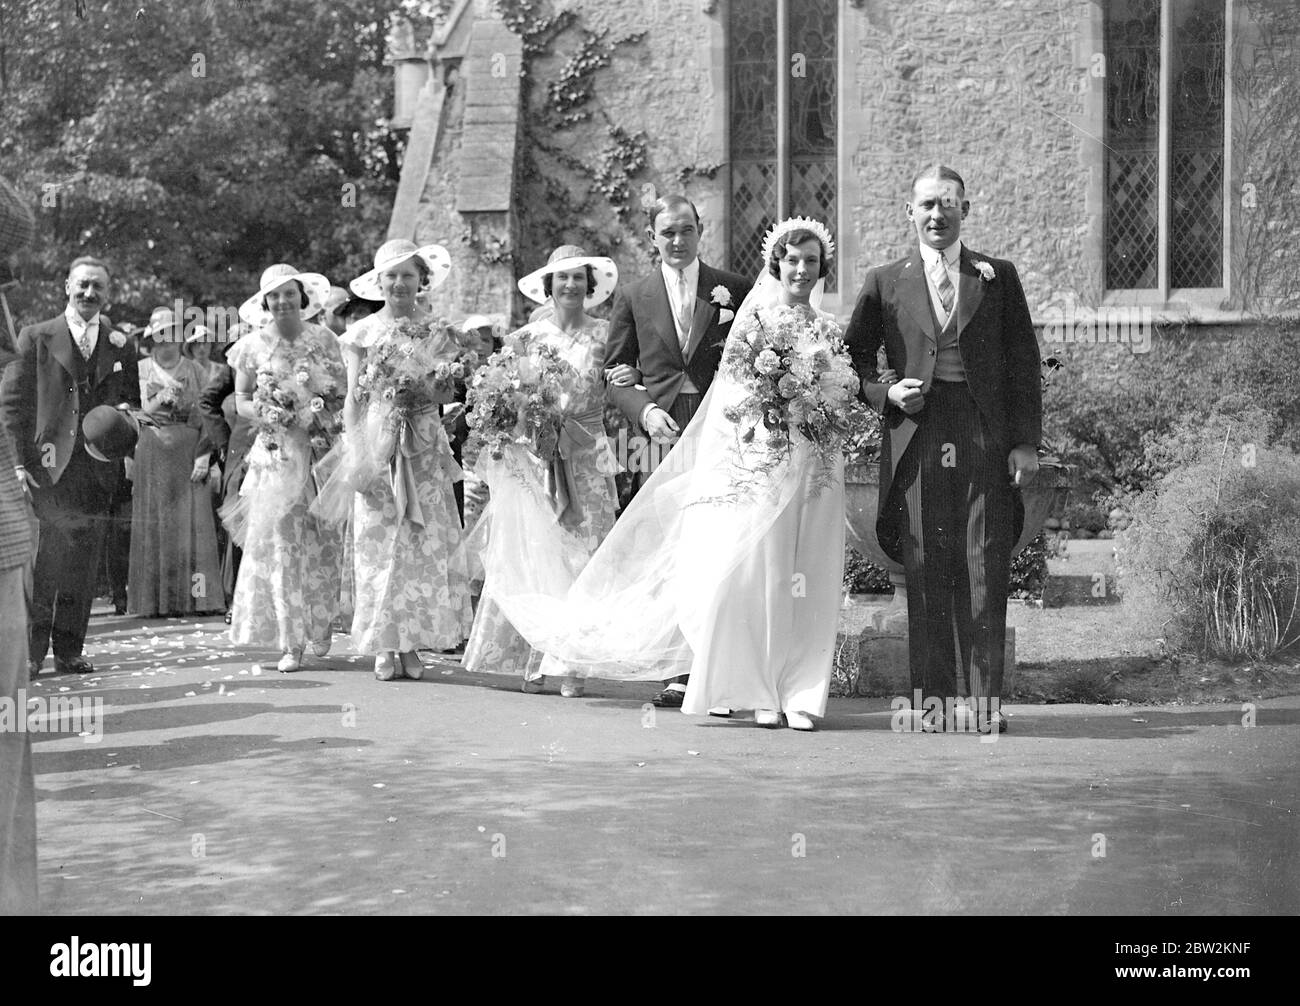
(725, 316)
(117, 365)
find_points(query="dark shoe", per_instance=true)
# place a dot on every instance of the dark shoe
(669, 698)
(228, 617)
(73, 665)
(33, 668)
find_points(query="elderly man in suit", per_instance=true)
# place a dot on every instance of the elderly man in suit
(67, 366)
(666, 334)
(962, 428)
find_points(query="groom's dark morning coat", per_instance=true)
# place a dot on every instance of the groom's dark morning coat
(642, 335)
(1000, 356)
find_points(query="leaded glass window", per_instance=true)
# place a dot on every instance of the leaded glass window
(783, 119)
(1165, 144)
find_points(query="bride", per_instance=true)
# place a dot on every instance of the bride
(727, 565)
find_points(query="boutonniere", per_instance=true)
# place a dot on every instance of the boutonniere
(117, 365)
(985, 270)
(721, 296)
(117, 338)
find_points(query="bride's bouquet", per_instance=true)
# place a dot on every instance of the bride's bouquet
(303, 393)
(520, 396)
(412, 366)
(796, 377)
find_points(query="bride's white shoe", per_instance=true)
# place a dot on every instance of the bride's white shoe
(798, 721)
(767, 718)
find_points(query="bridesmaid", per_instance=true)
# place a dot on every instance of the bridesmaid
(411, 582)
(287, 591)
(568, 286)
(174, 567)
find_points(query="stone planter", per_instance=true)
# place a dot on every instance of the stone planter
(872, 648)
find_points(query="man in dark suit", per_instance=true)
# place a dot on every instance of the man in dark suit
(670, 327)
(232, 435)
(66, 366)
(962, 428)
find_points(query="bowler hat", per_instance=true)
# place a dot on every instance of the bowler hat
(110, 433)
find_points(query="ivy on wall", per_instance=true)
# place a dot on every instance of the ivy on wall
(576, 166)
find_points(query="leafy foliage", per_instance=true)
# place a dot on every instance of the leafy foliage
(191, 145)
(1111, 412)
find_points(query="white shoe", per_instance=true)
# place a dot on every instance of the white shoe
(722, 712)
(767, 718)
(290, 661)
(798, 721)
(572, 688)
(411, 665)
(385, 666)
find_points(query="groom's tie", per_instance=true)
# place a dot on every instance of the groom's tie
(943, 286)
(685, 309)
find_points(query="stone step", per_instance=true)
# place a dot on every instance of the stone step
(871, 647)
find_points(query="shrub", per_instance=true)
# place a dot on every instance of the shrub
(864, 577)
(1214, 547)
(1089, 408)
(1029, 569)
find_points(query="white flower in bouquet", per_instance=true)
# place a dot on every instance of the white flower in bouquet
(767, 362)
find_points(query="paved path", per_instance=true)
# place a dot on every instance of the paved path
(217, 790)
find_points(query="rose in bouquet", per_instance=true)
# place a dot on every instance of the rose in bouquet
(797, 379)
(411, 366)
(302, 392)
(520, 396)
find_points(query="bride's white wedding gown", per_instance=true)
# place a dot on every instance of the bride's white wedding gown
(715, 570)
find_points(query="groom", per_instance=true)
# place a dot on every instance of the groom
(670, 326)
(961, 432)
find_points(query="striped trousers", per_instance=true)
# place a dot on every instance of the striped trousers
(951, 506)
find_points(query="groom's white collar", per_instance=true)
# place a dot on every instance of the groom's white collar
(951, 255)
(691, 272)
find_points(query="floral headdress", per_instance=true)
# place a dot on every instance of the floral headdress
(798, 224)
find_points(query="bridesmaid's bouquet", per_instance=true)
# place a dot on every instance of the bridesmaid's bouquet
(520, 396)
(305, 393)
(797, 377)
(411, 366)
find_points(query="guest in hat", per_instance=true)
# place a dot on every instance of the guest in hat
(175, 568)
(198, 347)
(571, 283)
(332, 316)
(65, 367)
(411, 585)
(287, 592)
